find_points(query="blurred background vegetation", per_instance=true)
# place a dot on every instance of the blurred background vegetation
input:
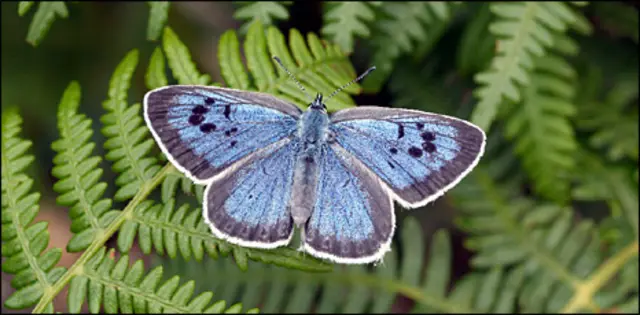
(434, 71)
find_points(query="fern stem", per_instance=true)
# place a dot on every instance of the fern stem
(587, 288)
(78, 267)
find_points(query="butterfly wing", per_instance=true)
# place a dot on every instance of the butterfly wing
(418, 155)
(352, 219)
(248, 207)
(204, 130)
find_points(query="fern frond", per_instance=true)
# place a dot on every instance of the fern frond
(266, 12)
(78, 173)
(563, 264)
(42, 19)
(158, 14)
(127, 289)
(344, 20)
(609, 183)
(477, 44)
(410, 26)
(23, 243)
(610, 117)
(182, 230)
(540, 127)
(179, 58)
(319, 67)
(128, 141)
(525, 30)
(358, 289)
(155, 76)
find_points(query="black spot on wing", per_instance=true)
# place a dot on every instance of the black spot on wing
(227, 111)
(196, 119)
(209, 101)
(199, 110)
(415, 152)
(208, 127)
(428, 136)
(429, 147)
(400, 131)
(393, 150)
(420, 125)
(233, 143)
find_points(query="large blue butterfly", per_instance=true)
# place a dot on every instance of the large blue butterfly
(269, 166)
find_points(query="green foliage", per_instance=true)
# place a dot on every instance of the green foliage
(343, 22)
(78, 174)
(266, 12)
(357, 289)
(524, 30)
(549, 216)
(545, 110)
(42, 19)
(158, 13)
(23, 243)
(318, 66)
(409, 28)
(119, 287)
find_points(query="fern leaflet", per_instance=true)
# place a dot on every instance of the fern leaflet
(525, 30)
(23, 243)
(172, 231)
(562, 261)
(128, 141)
(319, 67)
(126, 289)
(355, 289)
(344, 20)
(42, 19)
(265, 12)
(78, 173)
(407, 23)
(158, 13)
(179, 60)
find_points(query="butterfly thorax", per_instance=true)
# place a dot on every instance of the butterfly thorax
(313, 128)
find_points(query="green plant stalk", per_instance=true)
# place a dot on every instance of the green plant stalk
(587, 288)
(101, 238)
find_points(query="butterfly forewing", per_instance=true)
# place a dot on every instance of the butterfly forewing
(204, 130)
(418, 155)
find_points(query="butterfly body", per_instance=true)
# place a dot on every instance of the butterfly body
(269, 166)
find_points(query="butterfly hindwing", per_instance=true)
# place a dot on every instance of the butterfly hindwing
(352, 220)
(248, 206)
(418, 155)
(204, 130)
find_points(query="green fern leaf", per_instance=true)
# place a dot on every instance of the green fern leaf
(525, 30)
(356, 289)
(266, 12)
(158, 13)
(23, 7)
(344, 20)
(563, 265)
(319, 67)
(128, 142)
(127, 289)
(410, 26)
(545, 110)
(155, 76)
(180, 62)
(23, 243)
(43, 18)
(78, 173)
(477, 44)
(612, 184)
(183, 231)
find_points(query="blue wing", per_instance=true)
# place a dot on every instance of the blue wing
(203, 130)
(418, 155)
(352, 219)
(248, 206)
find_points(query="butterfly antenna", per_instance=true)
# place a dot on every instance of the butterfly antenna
(352, 82)
(292, 77)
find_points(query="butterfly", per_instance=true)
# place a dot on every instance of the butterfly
(269, 166)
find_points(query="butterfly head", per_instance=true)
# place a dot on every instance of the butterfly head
(318, 104)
